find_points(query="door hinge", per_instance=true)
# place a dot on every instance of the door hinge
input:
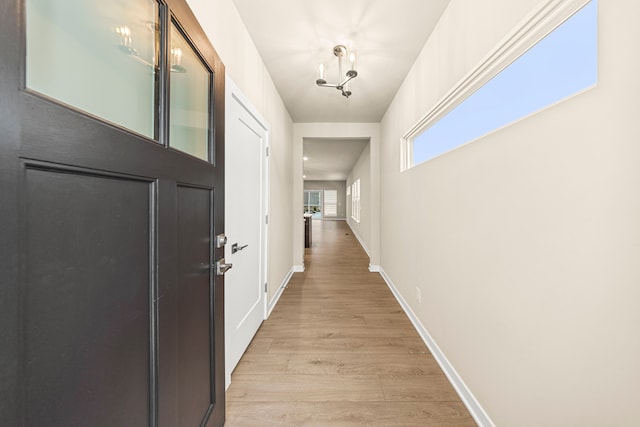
(267, 148)
(266, 219)
(265, 287)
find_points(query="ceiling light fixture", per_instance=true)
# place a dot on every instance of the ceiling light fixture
(126, 46)
(343, 86)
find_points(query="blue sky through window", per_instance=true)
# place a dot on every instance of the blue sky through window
(561, 64)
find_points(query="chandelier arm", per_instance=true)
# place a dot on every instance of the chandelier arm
(326, 85)
(346, 80)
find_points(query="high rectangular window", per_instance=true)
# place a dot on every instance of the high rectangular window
(560, 65)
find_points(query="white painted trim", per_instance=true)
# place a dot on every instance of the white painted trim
(233, 92)
(278, 294)
(366, 249)
(534, 27)
(374, 268)
(246, 103)
(298, 268)
(477, 412)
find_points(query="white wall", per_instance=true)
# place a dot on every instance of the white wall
(222, 24)
(360, 171)
(526, 243)
(370, 131)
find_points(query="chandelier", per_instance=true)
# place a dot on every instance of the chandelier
(340, 51)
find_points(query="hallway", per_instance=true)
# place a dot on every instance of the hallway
(339, 351)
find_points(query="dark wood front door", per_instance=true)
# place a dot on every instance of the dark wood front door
(110, 311)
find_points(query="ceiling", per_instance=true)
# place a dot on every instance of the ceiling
(294, 36)
(329, 159)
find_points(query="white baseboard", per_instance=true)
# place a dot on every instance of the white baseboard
(276, 296)
(298, 268)
(374, 268)
(469, 400)
(366, 249)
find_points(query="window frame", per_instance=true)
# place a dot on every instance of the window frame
(535, 27)
(325, 204)
(307, 201)
(355, 200)
(174, 23)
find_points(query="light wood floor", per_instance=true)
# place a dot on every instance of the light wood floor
(339, 351)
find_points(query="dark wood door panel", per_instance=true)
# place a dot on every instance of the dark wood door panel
(181, 344)
(195, 315)
(86, 299)
(99, 293)
(56, 133)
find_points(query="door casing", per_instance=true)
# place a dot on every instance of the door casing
(234, 94)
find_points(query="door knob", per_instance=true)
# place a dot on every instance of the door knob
(221, 267)
(235, 248)
(221, 240)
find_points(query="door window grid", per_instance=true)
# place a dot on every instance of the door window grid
(110, 67)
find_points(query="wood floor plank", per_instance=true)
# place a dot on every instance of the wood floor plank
(415, 344)
(259, 345)
(353, 363)
(338, 345)
(333, 329)
(420, 388)
(304, 388)
(338, 350)
(258, 363)
(348, 414)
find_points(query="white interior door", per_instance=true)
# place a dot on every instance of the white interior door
(245, 226)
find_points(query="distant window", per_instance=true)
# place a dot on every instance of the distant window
(355, 200)
(330, 203)
(313, 203)
(558, 66)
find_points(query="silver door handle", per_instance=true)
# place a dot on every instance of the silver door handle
(222, 268)
(235, 248)
(221, 240)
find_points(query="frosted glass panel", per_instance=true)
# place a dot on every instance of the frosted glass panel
(96, 55)
(189, 99)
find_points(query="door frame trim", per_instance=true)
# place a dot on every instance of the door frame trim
(233, 92)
